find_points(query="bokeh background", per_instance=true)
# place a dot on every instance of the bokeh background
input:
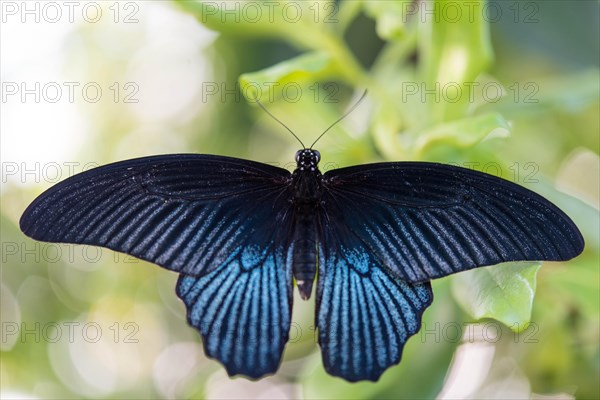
(88, 83)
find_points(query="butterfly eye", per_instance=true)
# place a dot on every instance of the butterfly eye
(298, 154)
(317, 155)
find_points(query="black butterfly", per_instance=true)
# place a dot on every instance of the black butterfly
(238, 231)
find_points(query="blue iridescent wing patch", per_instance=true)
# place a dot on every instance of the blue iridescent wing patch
(364, 313)
(243, 309)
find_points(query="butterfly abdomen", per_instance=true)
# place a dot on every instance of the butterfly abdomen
(305, 249)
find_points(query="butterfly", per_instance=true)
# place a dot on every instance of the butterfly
(240, 232)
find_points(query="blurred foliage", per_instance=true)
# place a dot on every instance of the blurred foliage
(516, 96)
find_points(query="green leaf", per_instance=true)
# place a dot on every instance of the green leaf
(347, 11)
(576, 285)
(236, 18)
(298, 22)
(289, 75)
(307, 25)
(503, 292)
(455, 47)
(462, 133)
(390, 17)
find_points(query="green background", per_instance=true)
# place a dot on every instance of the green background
(531, 117)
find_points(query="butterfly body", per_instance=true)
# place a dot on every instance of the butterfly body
(307, 192)
(239, 231)
(304, 242)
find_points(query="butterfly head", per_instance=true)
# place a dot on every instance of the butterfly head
(307, 159)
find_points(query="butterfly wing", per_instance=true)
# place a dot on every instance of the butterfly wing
(365, 314)
(221, 222)
(242, 309)
(184, 212)
(426, 220)
(387, 229)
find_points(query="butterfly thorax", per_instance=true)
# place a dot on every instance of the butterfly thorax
(307, 191)
(306, 179)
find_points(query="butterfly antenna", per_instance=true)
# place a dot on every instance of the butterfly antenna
(340, 118)
(282, 124)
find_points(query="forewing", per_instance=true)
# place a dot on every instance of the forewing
(365, 314)
(243, 308)
(427, 220)
(185, 212)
